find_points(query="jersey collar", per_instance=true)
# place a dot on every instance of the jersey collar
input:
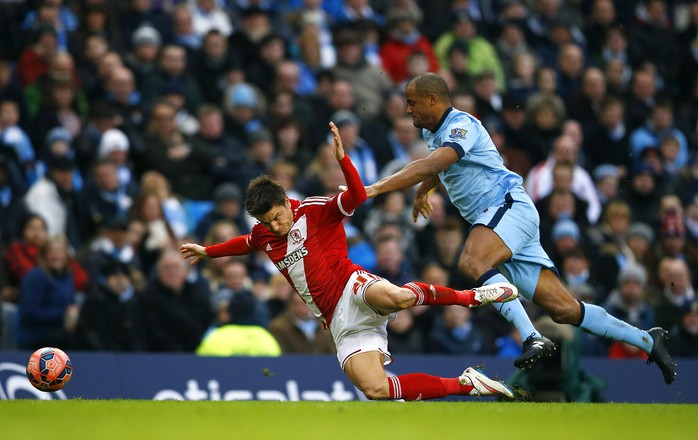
(441, 121)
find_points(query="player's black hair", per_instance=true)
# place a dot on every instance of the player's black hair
(263, 194)
(428, 83)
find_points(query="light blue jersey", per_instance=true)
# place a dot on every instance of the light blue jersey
(485, 192)
(479, 179)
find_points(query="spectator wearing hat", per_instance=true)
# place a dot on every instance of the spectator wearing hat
(684, 336)
(643, 193)
(228, 200)
(640, 242)
(54, 198)
(243, 107)
(627, 301)
(111, 319)
(676, 293)
(137, 13)
(607, 181)
(672, 236)
(564, 237)
(142, 58)
(114, 146)
(404, 38)
(482, 55)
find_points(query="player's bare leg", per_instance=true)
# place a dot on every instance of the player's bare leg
(366, 371)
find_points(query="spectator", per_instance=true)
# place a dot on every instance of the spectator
(104, 199)
(369, 81)
(172, 208)
(55, 199)
(643, 193)
(34, 59)
(142, 59)
(607, 181)
(403, 335)
(677, 292)
(298, 331)
(391, 262)
(172, 66)
(659, 127)
(234, 302)
(177, 311)
(111, 319)
(214, 66)
(454, 333)
(48, 300)
(404, 38)
(158, 234)
(208, 15)
(539, 181)
(608, 142)
(361, 152)
(684, 339)
(482, 55)
(180, 158)
(628, 301)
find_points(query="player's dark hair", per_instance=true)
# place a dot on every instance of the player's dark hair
(263, 194)
(428, 83)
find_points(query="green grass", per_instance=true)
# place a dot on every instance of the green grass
(129, 419)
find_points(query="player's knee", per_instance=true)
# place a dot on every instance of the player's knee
(375, 390)
(470, 266)
(402, 298)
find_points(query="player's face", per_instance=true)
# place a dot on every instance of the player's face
(278, 219)
(418, 107)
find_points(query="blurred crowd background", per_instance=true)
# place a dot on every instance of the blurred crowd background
(129, 127)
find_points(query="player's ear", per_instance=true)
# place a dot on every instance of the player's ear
(288, 202)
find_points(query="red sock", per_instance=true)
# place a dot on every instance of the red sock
(420, 386)
(439, 295)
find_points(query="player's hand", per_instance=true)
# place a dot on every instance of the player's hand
(194, 251)
(338, 147)
(422, 206)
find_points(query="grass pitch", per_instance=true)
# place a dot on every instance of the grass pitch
(131, 419)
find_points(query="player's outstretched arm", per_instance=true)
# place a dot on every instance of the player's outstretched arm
(355, 193)
(415, 172)
(193, 251)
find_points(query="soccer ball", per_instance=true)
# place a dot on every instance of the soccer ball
(49, 369)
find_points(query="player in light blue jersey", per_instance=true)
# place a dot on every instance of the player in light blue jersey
(504, 241)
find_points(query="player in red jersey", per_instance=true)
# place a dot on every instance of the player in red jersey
(306, 242)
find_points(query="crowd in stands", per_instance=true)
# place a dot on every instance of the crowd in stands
(129, 127)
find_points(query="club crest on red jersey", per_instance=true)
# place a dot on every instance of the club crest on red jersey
(296, 236)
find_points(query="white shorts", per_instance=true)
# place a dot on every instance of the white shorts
(356, 327)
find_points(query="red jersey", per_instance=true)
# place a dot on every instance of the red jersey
(313, 255)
